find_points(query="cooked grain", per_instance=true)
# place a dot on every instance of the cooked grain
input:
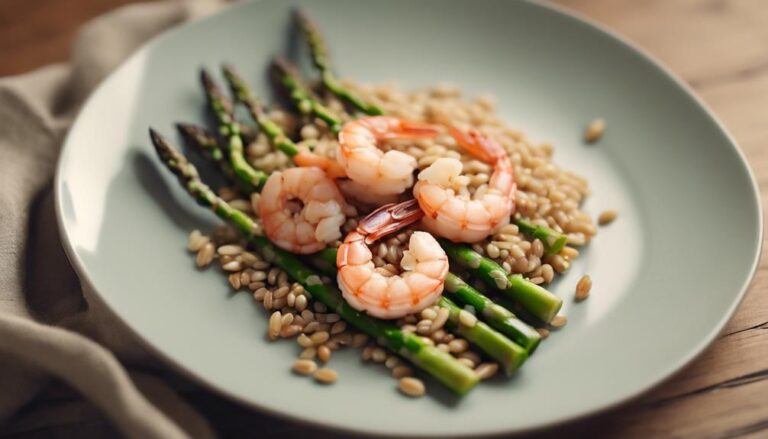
(487, 370)
(323, 353)
(412, 386)
(304, 367)
(558, 321)
(606, 217)
(325, 376)
(583, 287)
(205, 255)
(594, 130)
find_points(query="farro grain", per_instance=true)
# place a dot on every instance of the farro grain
(558, 321)
(438, 335)
(594, 130)
(443, 347)
(470, 355)
(275, 324)
(290, 331)
(343, 338)
(205, 255)
(583, 287)
(326, 376)
(378, 355)
(281, 292)
(301, 303)
(391, 362)
(234, 280)
(440, 319)
(308, 316)
(458, 346)
(467, 362)
(359, 340)
(319, 337)
(196, 241)
(232, 266)
(607, 217)
(311, 327)
(260, 293)
(229, 250)
(412, 386)
(487, 370)
(367, 353)
(543, 332)
(304, 341)
(323, 353)
(338, 327)
(402, 371)
(268, 300)
(279, 303)
(304, 366)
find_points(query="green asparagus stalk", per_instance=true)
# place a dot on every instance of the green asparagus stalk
(441, 365)
(553, 240)
(498, 317)
(243, 94)
(302, 96)
(222, 109)
(508, 353)
(320, 58)
(539, 302)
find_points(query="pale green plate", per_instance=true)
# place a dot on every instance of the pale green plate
(667, 274)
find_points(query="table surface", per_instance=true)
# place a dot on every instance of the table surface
(719, 48)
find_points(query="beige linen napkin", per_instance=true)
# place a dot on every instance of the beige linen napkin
(49, 328)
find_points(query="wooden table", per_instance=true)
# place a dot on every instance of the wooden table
(720, 47)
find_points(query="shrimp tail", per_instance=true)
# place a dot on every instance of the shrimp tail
(389, 218)
(332, 168)
(411, 129)
(479, 145)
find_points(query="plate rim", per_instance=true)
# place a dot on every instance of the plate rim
(691, 354)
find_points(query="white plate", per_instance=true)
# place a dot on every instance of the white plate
(667, 274)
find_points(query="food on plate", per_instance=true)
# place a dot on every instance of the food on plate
(416, 226)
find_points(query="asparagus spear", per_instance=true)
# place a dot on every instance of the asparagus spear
(272, 130)
(498, 317)
(222, 109)
(535, 299)
(553, 241)
(508, 353)
(441, 365)
(302, 96)
(320, 58)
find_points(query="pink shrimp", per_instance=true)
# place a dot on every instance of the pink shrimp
(424, 264)
(301, 209)
(465, 218)
(382, 173)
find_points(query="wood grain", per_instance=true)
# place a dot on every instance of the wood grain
(720, 47)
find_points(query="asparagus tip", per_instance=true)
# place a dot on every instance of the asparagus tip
(205, 78)
(163, 148)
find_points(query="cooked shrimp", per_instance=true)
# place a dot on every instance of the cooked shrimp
(383, 173)
(301, 209)
(424, 265)
(467, 218)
